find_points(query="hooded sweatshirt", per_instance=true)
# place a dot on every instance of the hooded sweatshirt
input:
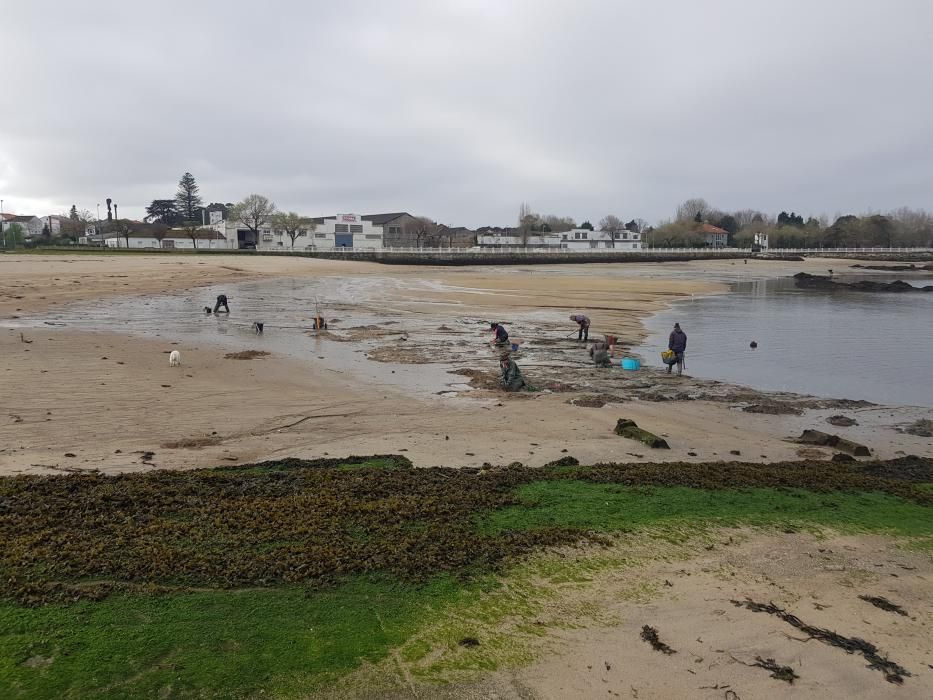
(678, 341)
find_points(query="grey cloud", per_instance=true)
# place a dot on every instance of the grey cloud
(462, 110)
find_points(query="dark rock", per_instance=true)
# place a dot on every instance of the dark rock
(843, 457)
(807, 281)
(567, 461)
(629, 429)
(821, 439)
(841, 421)
(921, 428)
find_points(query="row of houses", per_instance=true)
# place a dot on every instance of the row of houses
(360, 232)
(355, 231)
(32, 226)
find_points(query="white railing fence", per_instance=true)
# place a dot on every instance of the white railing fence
(530, 250)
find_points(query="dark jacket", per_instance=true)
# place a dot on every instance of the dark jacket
(582, 320)
(502, 335)
(678, 341)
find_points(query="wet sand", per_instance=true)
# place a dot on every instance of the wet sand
(593, 648)
(109, 398)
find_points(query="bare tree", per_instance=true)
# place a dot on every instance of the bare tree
(689, 210)
(421, 229)
(194, 231)
(159, 232)
(524, 210)
(75, 226)
(124, 229)
(744, 217)
(559, 224)
(610, 223)
(292, 224)
(253, 212)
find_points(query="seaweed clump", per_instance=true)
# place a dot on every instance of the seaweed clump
(315, 523)
(650, 635)
(893, 672)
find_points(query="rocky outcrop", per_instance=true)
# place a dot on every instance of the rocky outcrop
(804, 280)
(628, 429)
(821, 439)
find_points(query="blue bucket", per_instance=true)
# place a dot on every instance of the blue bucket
(631, 363)
(514, 347)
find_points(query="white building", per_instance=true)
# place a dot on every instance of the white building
(584, 239)
(575, 239)
(324, 233)
(174, 238)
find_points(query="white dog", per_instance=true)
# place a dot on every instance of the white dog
(174, 358)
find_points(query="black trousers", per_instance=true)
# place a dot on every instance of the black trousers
(584, 333)
(223, 304)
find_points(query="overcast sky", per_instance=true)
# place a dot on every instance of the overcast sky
(462, 109)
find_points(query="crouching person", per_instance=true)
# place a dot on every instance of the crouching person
(511, 379)
(600, 354)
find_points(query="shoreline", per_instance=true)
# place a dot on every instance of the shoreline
(120, 400)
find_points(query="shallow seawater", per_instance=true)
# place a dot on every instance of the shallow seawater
(841, 344)
(286, 307)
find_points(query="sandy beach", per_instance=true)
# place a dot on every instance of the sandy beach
(79, 394)
(76, 399)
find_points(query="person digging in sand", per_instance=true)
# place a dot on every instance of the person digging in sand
(584, 323)
(221, 301)
(511, 379)
(599, 351)
(501, 337)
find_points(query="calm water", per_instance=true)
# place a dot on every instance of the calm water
(858, 345)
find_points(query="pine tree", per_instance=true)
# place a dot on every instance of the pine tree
(73, 214)
(187, 198)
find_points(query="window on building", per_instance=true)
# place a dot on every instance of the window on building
(373, 236)
(320, 235)
(356, 228)
(341, 228)
(395, 229)
(594, 244)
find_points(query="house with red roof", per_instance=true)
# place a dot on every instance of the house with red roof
(714, 236)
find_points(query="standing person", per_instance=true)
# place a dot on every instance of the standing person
(501, 337)
(221, 301)
(584, 323)
(677, 344)
(511, 379)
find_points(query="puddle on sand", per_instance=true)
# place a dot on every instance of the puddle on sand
(416, 343)
(285, 307)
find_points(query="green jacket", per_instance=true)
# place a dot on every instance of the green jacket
(512, 377)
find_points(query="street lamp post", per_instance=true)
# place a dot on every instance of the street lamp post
(2, 228)
(97, 230)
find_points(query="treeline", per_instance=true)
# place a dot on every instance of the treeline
(903, 227)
